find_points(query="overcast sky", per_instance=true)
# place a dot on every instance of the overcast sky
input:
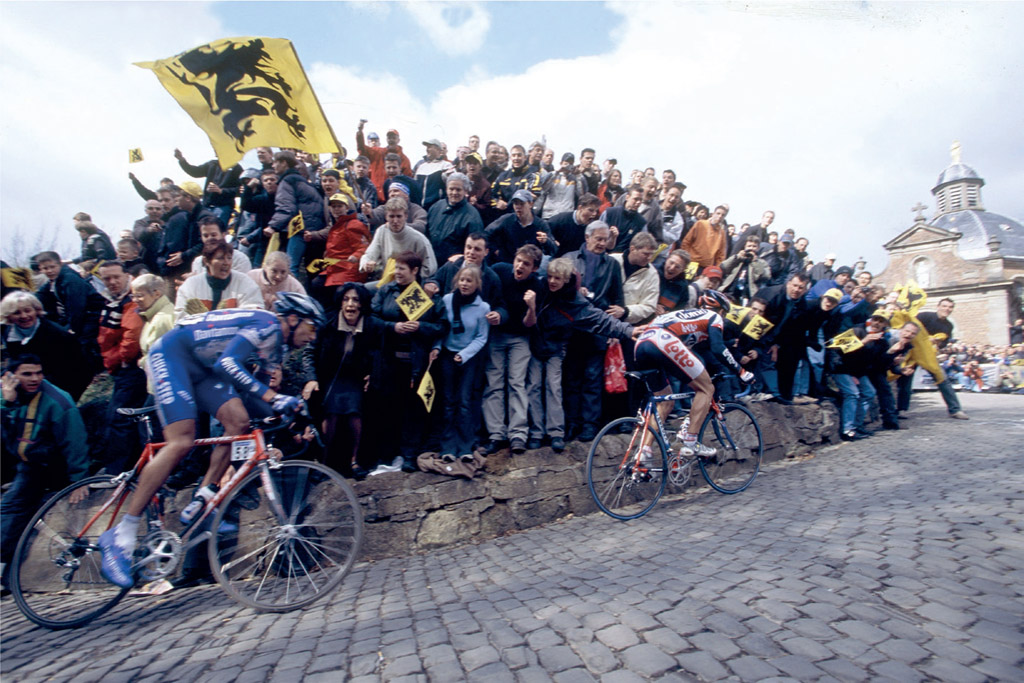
(837, 116)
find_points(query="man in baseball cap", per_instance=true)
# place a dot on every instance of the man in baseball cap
(520, 227)
(429, 172)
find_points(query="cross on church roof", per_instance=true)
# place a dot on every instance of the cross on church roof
(919, 207)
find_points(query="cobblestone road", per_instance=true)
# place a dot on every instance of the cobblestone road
(900, 557)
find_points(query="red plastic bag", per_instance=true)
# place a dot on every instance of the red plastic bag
(615, 369)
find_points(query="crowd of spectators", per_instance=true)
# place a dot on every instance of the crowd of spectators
(530, 266)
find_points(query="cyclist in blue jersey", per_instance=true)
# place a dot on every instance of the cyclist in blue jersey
(201, 365)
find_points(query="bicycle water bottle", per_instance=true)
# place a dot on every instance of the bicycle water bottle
(199, 501)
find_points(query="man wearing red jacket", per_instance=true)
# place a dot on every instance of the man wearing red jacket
(376, 157)
(120, 329)
(346, 241)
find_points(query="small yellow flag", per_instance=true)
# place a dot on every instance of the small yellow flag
(691, 270)
(18, 278)
(757, 327)
(319, 264)
(389, 273)
(736, 314)
(135, 155)
(296, 225)
(845, 342)
(414, 302)
(274, 243)
(245, 93)
(752, 324)
(426, 390)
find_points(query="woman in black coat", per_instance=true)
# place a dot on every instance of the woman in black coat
(25, 330)
(398, 411)
(343, 360)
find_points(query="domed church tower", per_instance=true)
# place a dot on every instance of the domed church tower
(966, 253)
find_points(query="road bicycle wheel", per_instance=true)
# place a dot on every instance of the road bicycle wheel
(737, 439)
(620, 487)
(55, 574)
(276, 559)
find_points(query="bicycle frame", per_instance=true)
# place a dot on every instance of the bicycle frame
(260, 454)
(649, 410)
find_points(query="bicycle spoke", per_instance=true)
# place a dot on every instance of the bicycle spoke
(736, 437)
(626, 485)
(55, 574)
(297, 560)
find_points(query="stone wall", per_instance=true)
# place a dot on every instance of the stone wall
(410, 513)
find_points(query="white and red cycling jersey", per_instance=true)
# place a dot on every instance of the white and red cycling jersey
(675, 334)
(692, 326)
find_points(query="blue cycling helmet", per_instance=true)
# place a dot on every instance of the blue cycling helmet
(301, 305)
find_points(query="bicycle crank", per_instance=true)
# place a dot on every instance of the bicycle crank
(161, 552)
(680, 470)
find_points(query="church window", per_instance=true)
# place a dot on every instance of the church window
(922, 272)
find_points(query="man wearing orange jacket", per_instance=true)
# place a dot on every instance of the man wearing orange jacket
(376, 157)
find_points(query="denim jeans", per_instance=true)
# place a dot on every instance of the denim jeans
(296, 248)
(904, 386)
(458, 384)
(22, 499)
(851, 412)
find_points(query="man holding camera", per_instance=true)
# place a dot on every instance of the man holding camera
(745, 272)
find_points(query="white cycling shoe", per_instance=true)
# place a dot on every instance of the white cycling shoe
(697, 448)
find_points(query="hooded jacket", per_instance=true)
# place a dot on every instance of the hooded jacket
(158, 321)
(562, 312)
(57, 443)
(294, 195)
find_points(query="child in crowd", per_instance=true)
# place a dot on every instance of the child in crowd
(460, 362)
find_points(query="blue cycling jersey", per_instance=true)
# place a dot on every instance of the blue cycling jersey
(205, 358)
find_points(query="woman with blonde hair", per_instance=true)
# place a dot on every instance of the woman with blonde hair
(26, 330)
(275, 276)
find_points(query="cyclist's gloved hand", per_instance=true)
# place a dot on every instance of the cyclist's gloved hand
(746, 377)
(286, 404)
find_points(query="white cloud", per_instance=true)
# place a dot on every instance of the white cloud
(838, 117)
(74, 105)
(455, 28)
